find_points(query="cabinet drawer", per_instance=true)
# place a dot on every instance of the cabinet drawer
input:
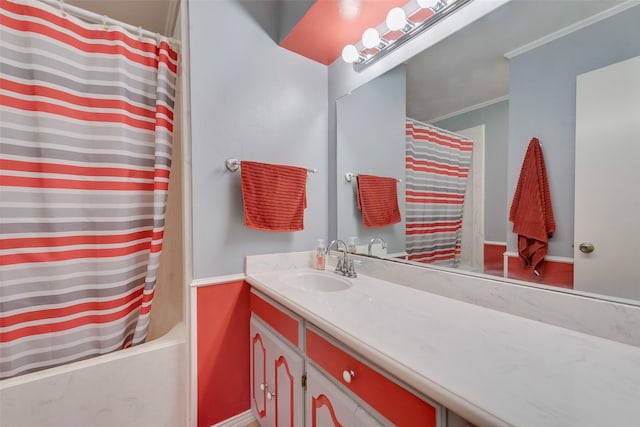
(392, 401)
(286, 325)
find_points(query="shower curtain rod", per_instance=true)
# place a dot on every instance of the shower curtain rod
(445, 131)
(95, 18)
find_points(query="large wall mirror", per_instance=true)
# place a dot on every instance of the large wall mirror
(525, 70)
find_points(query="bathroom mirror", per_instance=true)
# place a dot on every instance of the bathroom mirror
(506, 78)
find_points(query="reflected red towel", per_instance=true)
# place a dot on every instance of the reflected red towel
(531, 210)
(378, 200)
(274, 196)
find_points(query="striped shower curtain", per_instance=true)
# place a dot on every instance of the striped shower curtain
(437, 168)
(86, 125)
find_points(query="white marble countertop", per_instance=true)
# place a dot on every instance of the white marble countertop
(491, 367)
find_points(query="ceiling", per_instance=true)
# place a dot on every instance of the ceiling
(157, 16)
(329, 25)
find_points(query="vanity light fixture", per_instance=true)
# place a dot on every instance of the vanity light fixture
(399, 29)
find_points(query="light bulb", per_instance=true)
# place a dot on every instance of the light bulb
(396, 19)
(370, 38)
(350, 54)
(425, 4)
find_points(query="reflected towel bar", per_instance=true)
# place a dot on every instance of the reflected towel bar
(350, 175)
(233, 165)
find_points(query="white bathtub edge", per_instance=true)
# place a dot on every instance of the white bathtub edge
(175, 336)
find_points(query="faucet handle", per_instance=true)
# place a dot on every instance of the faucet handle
(340, 267)
(350, 270)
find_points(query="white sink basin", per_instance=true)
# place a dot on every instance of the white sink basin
(316, 281)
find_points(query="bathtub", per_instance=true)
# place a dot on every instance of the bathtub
(140, 386)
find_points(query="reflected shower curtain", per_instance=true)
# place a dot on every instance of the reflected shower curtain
(437, 168)
(86, 125)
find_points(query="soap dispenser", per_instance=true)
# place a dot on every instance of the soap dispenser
(352, 247)
(319, 257)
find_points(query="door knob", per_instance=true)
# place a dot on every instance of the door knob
(586, 248)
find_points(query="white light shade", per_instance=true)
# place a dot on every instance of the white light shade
(370, 38)
(427, 3)
(350, 54)
(396, 19)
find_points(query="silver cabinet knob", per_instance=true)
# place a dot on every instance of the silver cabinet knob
(586, 248)
(263, 387)
(270, 395)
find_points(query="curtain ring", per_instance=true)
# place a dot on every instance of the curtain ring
(140, 33)
(61, 6)
(104, 22)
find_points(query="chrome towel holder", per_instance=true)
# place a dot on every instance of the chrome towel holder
(233, 165)
(350, 175)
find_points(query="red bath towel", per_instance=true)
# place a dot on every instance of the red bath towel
(274, 196)
(378, 200)
(531, 210)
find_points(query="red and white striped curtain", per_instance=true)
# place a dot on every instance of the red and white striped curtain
(86, 124)
(437, 169)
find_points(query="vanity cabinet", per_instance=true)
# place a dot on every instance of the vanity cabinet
(277, 373)
(300, 376)
(394, 402)
(328, 406)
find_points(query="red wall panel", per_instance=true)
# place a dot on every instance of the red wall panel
(222, 351)
(494, 258)
(551, 273)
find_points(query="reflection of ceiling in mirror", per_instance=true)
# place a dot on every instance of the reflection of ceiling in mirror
(470, 68)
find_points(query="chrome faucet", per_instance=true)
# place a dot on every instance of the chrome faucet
(345, 264)
(383, 244)
(337, 244)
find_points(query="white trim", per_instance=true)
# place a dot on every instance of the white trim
(491, 242)
(240, 420)
(173, 14)
(193, 355)
(552, 258)
(571, 28)
(189, 305)
(208, 281)
(470, 108)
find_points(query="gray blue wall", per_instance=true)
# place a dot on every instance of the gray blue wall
(252, 100)
(370, 140)
(495, 117)
(542, 104)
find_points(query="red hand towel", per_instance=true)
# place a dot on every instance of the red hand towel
(531, 210)
(378, 200)
(274, 196)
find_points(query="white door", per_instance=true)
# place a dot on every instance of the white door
(607, 201)
(472, 248)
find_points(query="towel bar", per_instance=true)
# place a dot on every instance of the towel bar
(233, 165)
(350, 175)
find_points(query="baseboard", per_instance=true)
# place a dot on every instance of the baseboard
(240, 420)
